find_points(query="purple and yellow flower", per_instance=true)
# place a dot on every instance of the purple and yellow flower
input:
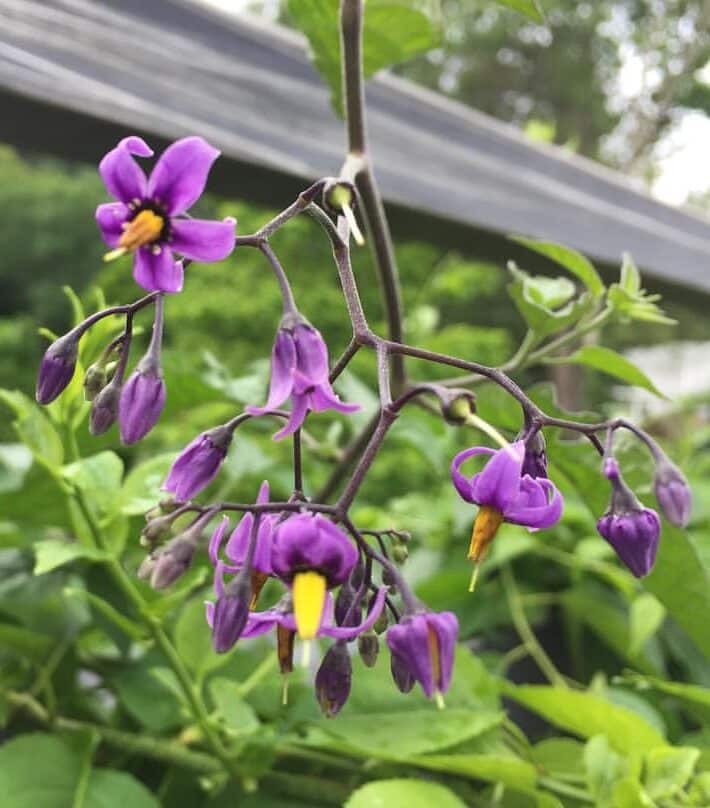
(149, 217)
(422, 647)
(198, 463)
(299, 369)
(505, 493)
(630, 528)
(311, 555)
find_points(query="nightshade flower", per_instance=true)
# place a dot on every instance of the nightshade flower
(198, 463)
(422, 645)
(299, 369)
(312, 555)
(630, 528)
(149, 217)
(505, 493)
(57, 368)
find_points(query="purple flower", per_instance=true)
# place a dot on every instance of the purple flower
(142, 401)
(198, 463)
(282, 614)
(57, 368)
(333, 679)
(672, 492)
(148, 217)
(311, 554)
(630, 528)
(424, 645)
(504, 492)
(299, 368)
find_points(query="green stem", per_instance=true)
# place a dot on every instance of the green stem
(522, 626)
(565, 339)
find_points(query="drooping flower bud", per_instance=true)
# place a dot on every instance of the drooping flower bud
(672, 492)
(345, 605)
(175, 558)
(231, 612)
(198, 463)
(630, 528)
(57, 368)
(535, 460)
(368, 647)
(333, 679)
(104, 409)
(142, 400)
(457, 406)
(401, 674)
(95, 379)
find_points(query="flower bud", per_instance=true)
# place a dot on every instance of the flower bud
(401, 674)
(381, 623)
(230, 614)
(343, 605)
(672, 492)
(142, 401)
(457, 406)
(333, 679)
(173, 561)
(104, 409)
(155, 530)
(198, 463)
(95, 379)
(146, 568)
(368, 647)
(535, 460)
(399, 553)
(57, 368)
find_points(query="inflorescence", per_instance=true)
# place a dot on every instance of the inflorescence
(336, 582)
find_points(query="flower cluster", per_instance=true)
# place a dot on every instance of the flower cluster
(328, 580)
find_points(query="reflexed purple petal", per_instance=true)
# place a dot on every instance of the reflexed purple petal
(324, 398)
(110, 219)
(157, 272)
(202, 240)
(123, 177)
(350, 632)
(180, 175)
(446, 627)
(461, 483)
(283, 364)
(539, 505)
(499, 482)
(238, 544)
(261, 622)
(409, 640)
(209, 612)
(216, 540)
(298, 414)
(312, 353)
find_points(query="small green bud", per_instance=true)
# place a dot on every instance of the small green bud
(95, 379)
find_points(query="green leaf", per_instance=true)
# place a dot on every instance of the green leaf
(510, 771)
(34, 429)
(587, 715)
(603, 768)
(193, 639)
(147, 698)
(692, 694)
(141, 488)
(403, 793)
(234, 711)
(99, 478)
(645, 618)
(535, 298)
(393, 32)
(53, 553)
(24, 642)
(610, 362)
(570, 259)
(531, 8)
(628, 793)
(630, 302)
(669, 769)
(115, 789)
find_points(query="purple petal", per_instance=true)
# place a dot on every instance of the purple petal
(298, 414)
(157, 272)
(236, 549)
(283, 364)
(537, 511)
(261, 622)
(324, 398)
(312, 353)
(499, 482)
(349, 633)
(410, 641)
(180, 175)
(461, 483)
(123, 177)
(209, 612)
(263, 496)
(110, 219)
(141, 403)
(446, 627)
(202, 240)
(216, 540)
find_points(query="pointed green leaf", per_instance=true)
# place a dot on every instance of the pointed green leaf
(570, 259)
(531, 8)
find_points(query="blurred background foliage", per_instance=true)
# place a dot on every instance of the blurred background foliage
(632, 732)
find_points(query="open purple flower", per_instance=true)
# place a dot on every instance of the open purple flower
(149, 217)
(423, 645)
(198, 463)
(299, 369)
(504, 493)
(630, 528)
(312, 555)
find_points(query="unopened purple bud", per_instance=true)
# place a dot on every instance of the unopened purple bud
(368, 647)
(634, 536)
(142, 401)
(333, 679)
(173, 561)
(104, 409)
(57, 368)
(673, 493)
(535, 460)
(401, 674)
(198, 463)
(345, 606)
(230, 614)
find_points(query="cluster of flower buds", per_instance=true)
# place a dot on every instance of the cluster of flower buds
(324, 565)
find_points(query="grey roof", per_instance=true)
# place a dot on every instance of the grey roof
(77, 74)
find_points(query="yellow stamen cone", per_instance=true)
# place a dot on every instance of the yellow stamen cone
(308, 594)
(485, 527)
(145, 228)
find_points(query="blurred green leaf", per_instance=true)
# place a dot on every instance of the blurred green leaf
(568, 258)
(645, 618)
(115, 789)
(628, 793)
(409, 793)
(668, 770)
(631, 302)
(34, 429)
(531, 8)
(53, 553)
(393, 32)
(234, 711)
(603, 768)
(610, 362)
(193, 638)
(141, 488)
(147, 698)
